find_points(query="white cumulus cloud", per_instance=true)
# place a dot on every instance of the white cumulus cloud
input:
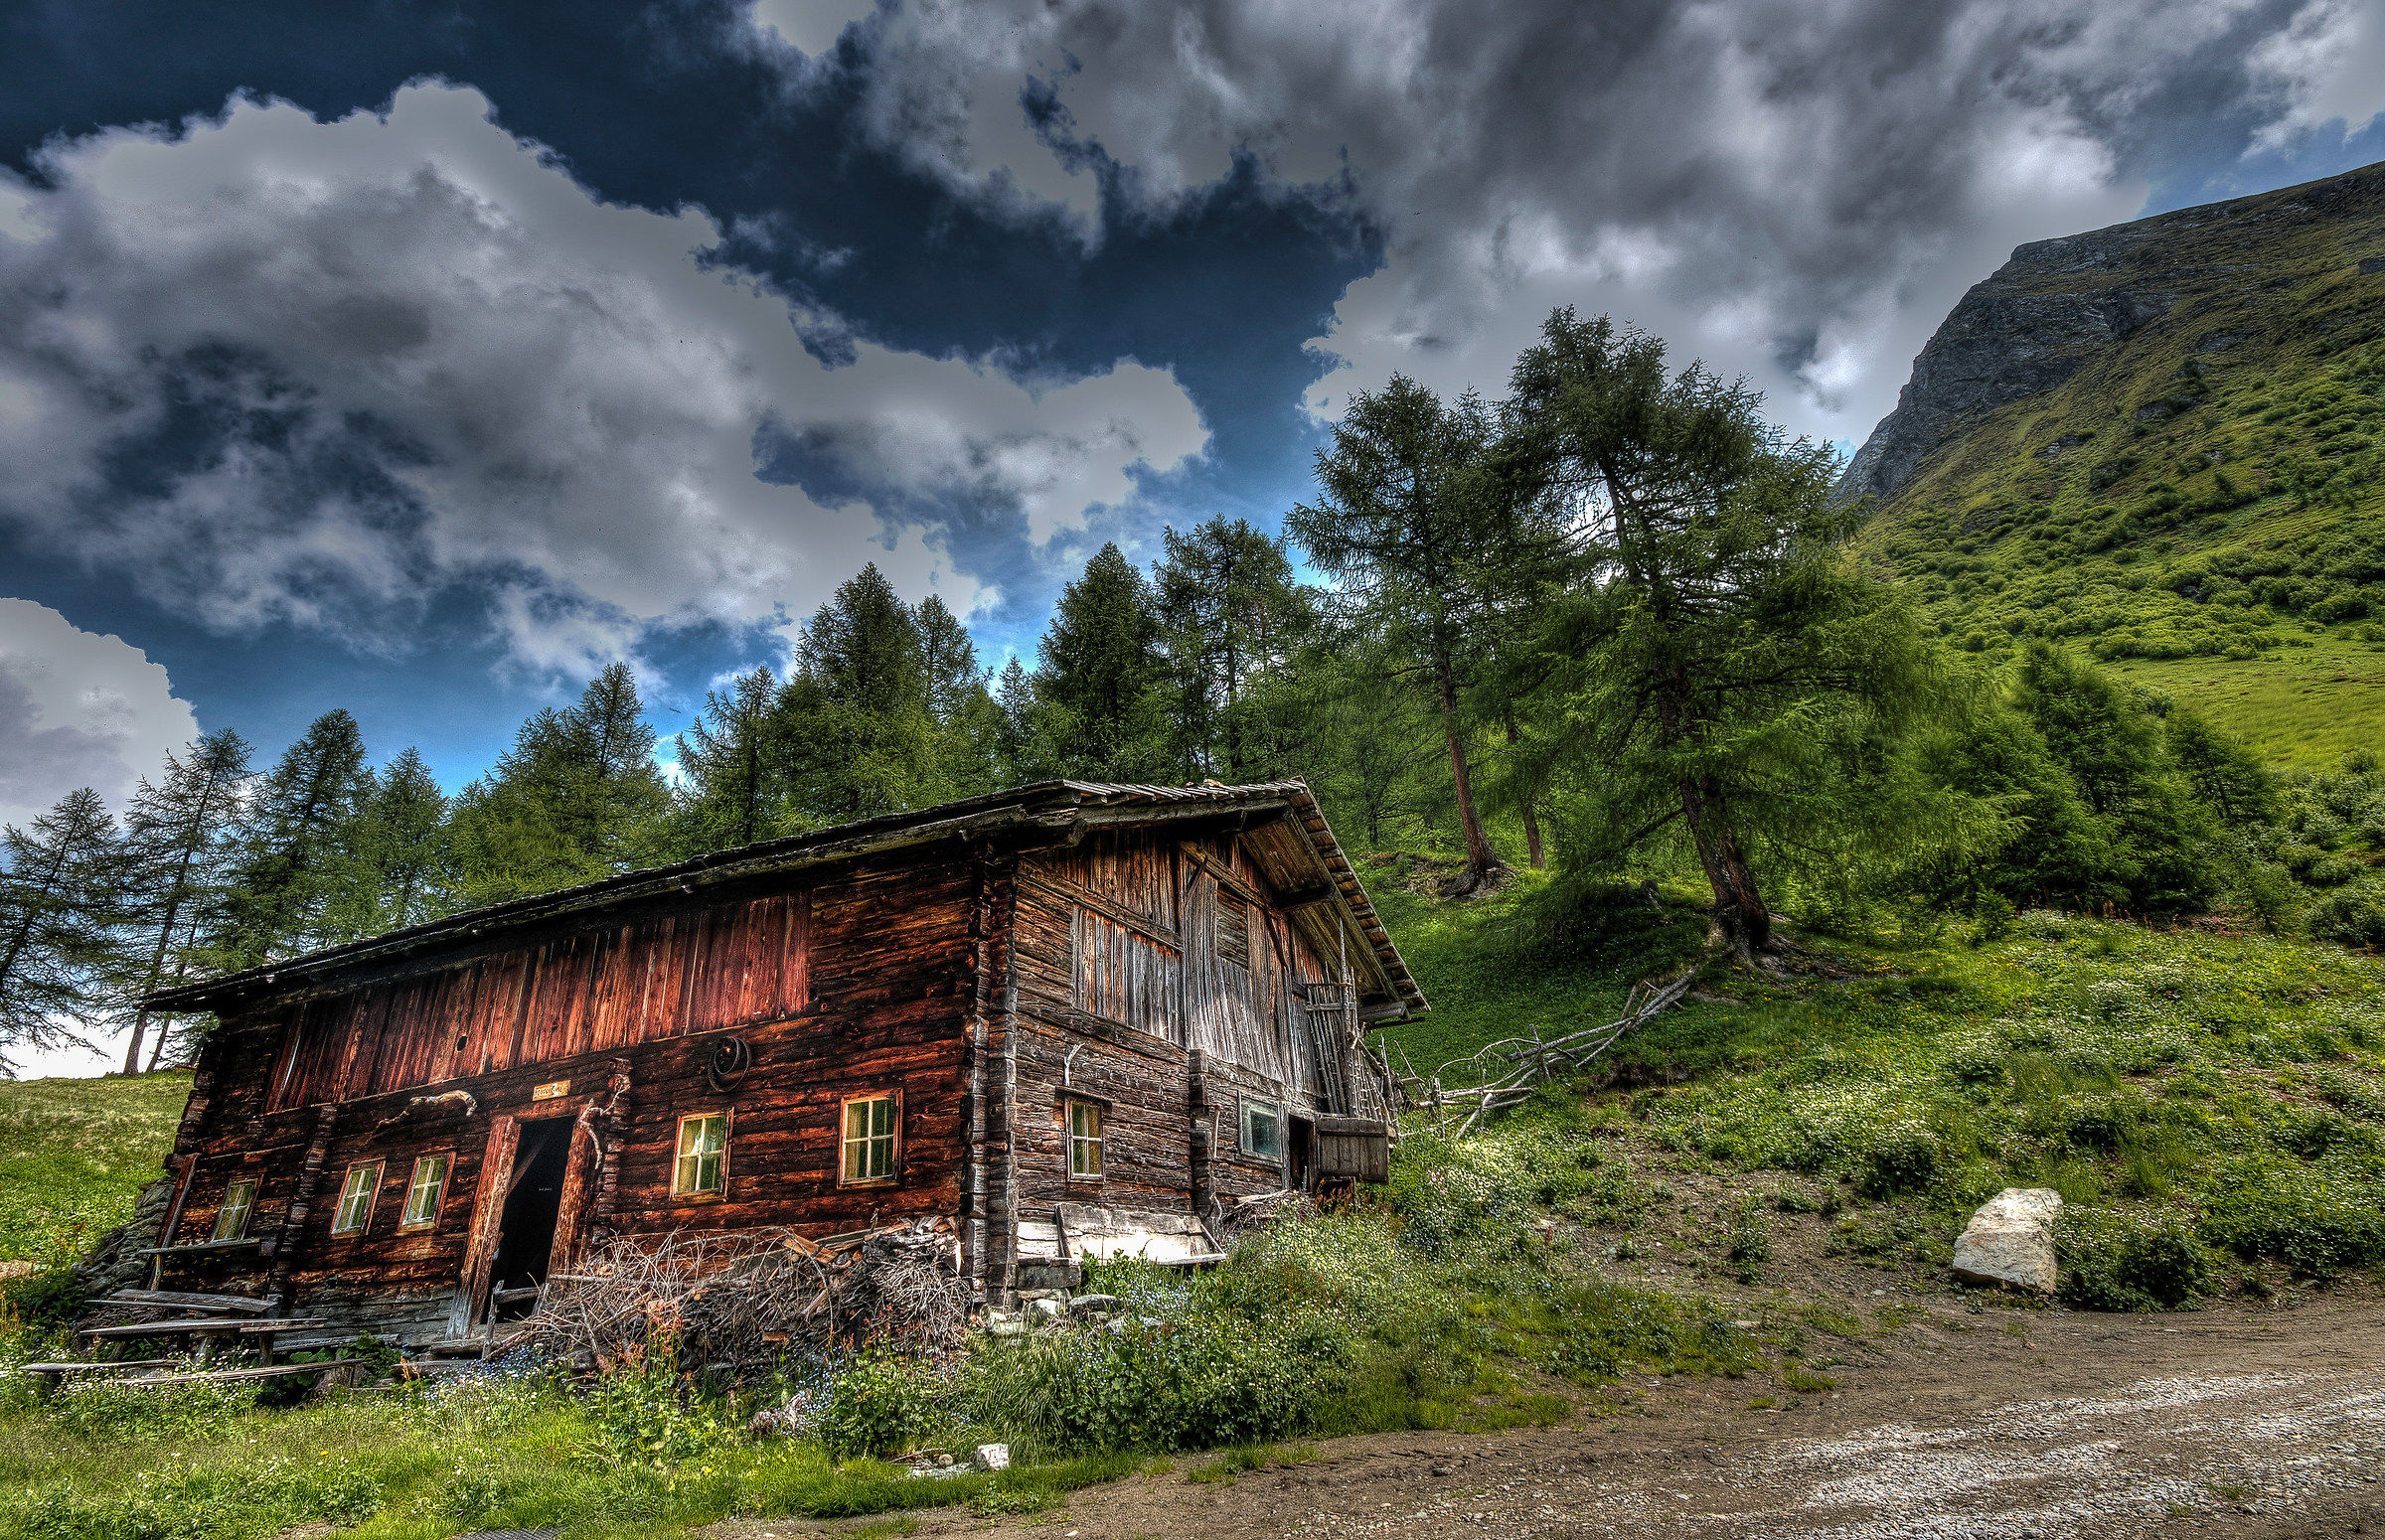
(77, 709)
(273, 368)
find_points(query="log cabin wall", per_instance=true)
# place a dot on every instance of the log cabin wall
(1160, 979)
(1166, 968)
(857, 985)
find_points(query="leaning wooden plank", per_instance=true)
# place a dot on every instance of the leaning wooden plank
(213, 1375)
(209, 1323)
(212, 1302)
(117, 1366)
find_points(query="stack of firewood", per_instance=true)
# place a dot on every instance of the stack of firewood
(743, 1301)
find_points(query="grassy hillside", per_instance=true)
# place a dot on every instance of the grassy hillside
(2201, 504)
(2212, 1106)
(74, 1154)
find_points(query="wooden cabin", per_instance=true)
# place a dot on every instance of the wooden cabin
(1073, 1018)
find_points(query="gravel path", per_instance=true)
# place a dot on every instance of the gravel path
(2235, 1420)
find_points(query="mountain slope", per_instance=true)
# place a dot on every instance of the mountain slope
(2160, 442)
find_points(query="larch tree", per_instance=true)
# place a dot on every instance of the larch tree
(1229, 613)
(62, 903)
(1720, 668)
(1419, 545)
(294, 836)
(733, 756)
(178, 837)
(860, 725)
(575, 798)
(967, 719)
(1101, 680)
(401, 853)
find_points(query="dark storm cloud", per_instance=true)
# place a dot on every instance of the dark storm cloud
(1796, 190)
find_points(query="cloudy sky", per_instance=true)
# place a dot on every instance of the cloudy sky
(420, 359)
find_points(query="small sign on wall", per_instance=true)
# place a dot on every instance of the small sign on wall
(551, 1090)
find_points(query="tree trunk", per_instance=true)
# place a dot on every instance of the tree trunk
(1739, 911)
(1531, 823)
(1480, 859)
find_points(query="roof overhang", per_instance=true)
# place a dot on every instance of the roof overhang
(1042, 814)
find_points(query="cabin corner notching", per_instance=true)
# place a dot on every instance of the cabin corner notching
(1074, 1017)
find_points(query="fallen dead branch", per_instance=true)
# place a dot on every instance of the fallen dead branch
(1514, 1068)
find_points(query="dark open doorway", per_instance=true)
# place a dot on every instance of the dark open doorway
(526, 1231)
(1300, 1154)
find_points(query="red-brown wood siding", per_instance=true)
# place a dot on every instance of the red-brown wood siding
(590, 990)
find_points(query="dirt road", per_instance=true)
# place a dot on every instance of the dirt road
(2234, 1421)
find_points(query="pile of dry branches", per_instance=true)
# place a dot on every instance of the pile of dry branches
(746, 1299)
(1512, 1068)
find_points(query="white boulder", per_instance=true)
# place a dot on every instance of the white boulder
(994, 1456)
(2010, 1240)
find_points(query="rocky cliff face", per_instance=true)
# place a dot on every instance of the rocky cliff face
(2057, 304)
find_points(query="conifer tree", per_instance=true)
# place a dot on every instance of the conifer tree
(294, 836)
(2227, 776)
(178, 838)
(401, 852)
(1103, 680)
(733, 757)
(1725, 671)
(62, 903)
(1229, 614)
(1419, 545)
(1024, 750)
(860, 723)
(2110, 741)
(968, 721)
(575, 798)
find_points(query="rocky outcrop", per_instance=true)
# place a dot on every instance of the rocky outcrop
(120, 1259)
(2057, 304)
(2010, 1240)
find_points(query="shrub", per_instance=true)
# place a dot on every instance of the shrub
(2114, 1261)
(2317, 1219)
(1751, 1238)
(647, 1413)
(1194, 1382)
(2354, 916)
(879, 1406)
(1903, 1157)
(45, 1303)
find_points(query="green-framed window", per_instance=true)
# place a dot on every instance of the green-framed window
(872, 1136)
(701, 1169)
(1085, 1141)
(422, 1193)
(354, 1211)
(231, 1220)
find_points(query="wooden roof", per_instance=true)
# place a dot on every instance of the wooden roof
(1283, 831)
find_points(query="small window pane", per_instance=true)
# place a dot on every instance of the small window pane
(1084, 1139)
(703, 1146)
(423, 1192)
(356, 1199)
(231, 1220)
(869, 1138)
(1263, 1130)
